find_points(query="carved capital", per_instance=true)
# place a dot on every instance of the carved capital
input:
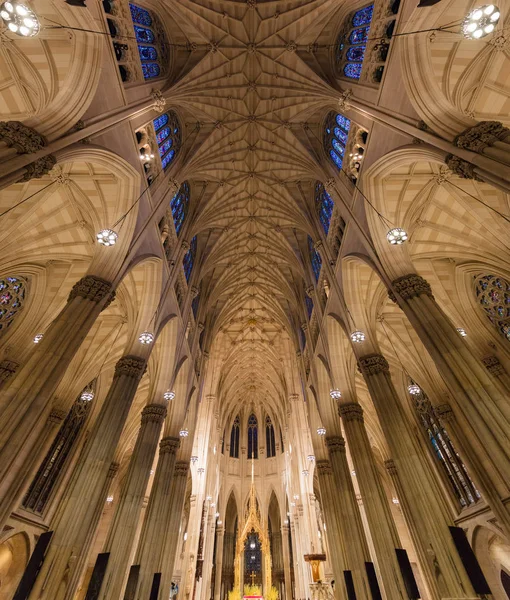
(412, 286)
(169, 445)
(153, 413)
(492, 364)
(462, 168)
(23, 139)
(324, 467)
(56, 416)
(159, 101)
(310, 291)
(335, 443)
(112, 471)
(444, 412)
(343, 100)
(38, 168)
(483, 134)
(7, 369)
(373, 364)
(351, 412)
(92, 288)
(181, 468)
(294, 397)
(185, 246)
(389, 465)
(131, 366)
(194, 291)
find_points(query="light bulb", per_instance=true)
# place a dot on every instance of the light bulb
(20, 19)
(480, 22)
(107, 237)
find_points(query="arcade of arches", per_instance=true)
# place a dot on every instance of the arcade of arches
(215, 368)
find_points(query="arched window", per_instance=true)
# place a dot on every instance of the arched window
(12, 297)
(336, 133)
(493, 294)
(180, 205)
(146, 39)
(168, 137)
(270, 441)
(309, 306)
(315, 259)
(324, 205)
(451, 463)
(189, 258)
(234, 438)
(352, 42)
(253, 445)
(58, 455)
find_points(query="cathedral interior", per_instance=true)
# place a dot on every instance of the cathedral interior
(255, 337)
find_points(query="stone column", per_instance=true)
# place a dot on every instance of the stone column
(26, 403)
(150, 547)
(81, 507)
(380, 521)
(220, 533)
(121, 536)
(427, 513)
(357, 548)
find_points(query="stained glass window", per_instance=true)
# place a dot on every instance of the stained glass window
(253, 559)
(142, 23)
(12, 296)
(309, 306)
(189, 258)
(336, 134)
(179, 206)
(168, 136)
(315, 259)
(234, 439)
(253, 445)
(270, 439)
(493, 294)
(352, 42)
(140, 15)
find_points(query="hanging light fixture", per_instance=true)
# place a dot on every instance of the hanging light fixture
(217, 514)
(38, 337)
(335, 394)
(296, 496)
(220, 522)
(480, 22)
(200, 470)
(396, 236)
(462, 331)
(311, 457)
(194, 459)
(286, 522)
(109, 499)
(304, 472)
(293, 504)
(357, 337)
(168, 395)
(213, 504)
(19, 19)
(413, 388)
(184, 433)
(321, 431)
(209, 498)
(87, 395)
(252, 545)
(395, 500)
(107, 237)
(146, 338)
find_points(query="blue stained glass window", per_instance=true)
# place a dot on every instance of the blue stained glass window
(356, 53)
(324, 206)
(353, 70)
(168, 159)
(363, 16)
(336, 134)
(162, 134)
(140, 15)
(165, 146)
(343, 122)
(160, 121)
(336, 159)
(179, 206)
(168, 137)
(339, 148)
(144, 35)
(309, 306)
(341, 135)
(189, 258)
(359, 36)
(147, 53)
(150, 70)
(315, 259)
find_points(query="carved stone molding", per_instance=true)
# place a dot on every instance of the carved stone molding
(482, 135)
(462, 168)
(492, 364)
(351, 412)
(181, 468)
(335, 443)
(153, 413)
(112, 471)
(56, 416)
(23, 139)
(324, 467)
(7, 369)
(131, 366)
(373, 364)
(389, 465)
(412, 286)
(92, 288)
(343, 100)
(444, 412)
(38, 168)
(169, 445)
(159, 101)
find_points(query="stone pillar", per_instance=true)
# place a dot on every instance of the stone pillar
(420, 496)
(380, 521)
(150, 547)
(26, 403)
(81, 507)
(357, 548)
(220, 533)
(121, 536)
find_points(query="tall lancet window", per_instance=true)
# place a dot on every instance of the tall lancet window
(179, 206)
(168, 137)
(352, 42)
(12, 298)
(315, 259)
(323, 205)
(234, 438)
(253, 444)
(55, 461)
(147, 41)
(270, 441)
(336, 134)
(189, 258)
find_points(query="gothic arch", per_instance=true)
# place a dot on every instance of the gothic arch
(15, 549)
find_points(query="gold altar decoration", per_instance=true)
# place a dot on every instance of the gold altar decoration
(315, 562)
(253, 523)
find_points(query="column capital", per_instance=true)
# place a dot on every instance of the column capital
(481, 135)
(462, 168)
(492, 364)
(131, 366)
(343, 100)
(310, 291)
(294, 397)
(410, 286)
(169, 445)
(444, 412)
(7, 369)
(351, 412)
(373, 364)
(324, 467)
(335, 443)
(92, 288)
(153, 413)
(23, 139)
(38, 168)
(181, 468)
(56, 416)
(390, 466)
(185, 245)
(112, 471)
(159, 101)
